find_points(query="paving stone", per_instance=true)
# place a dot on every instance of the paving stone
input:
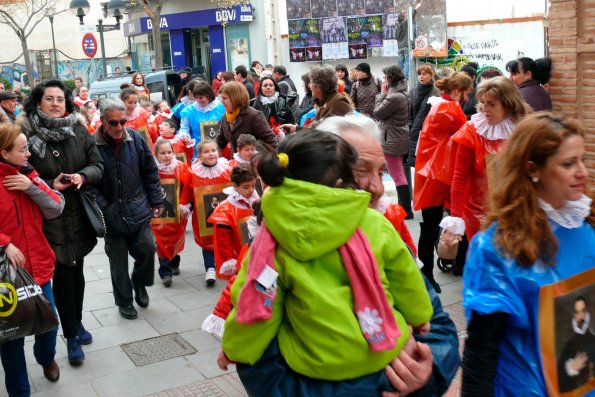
(160, 348)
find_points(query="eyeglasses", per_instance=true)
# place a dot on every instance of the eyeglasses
(114, 123)
(52, 99)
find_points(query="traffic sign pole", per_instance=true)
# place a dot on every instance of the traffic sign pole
(103, 60)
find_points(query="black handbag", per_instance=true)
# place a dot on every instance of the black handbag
(25, 310)
(93, 212)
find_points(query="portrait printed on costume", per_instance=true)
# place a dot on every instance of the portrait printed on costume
(182, 157)
(206, 199)
(570, 367)
(209, 130)
(170, 191)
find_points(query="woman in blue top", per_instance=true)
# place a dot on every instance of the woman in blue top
(531, 273)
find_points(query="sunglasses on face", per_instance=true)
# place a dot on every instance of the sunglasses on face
(114, 123)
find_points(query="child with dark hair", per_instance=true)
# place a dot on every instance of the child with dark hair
(246, 150)
(170, 237)
(208, 169)
(228, 215)
(183, 145)
(323, 300)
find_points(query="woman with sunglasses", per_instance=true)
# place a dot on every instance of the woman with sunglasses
(65, 155)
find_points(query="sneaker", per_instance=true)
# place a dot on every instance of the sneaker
(166, 280)
(85, 337)
(210, 277)
(75, 351)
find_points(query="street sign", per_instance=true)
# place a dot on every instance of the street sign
(87, 28)
(89, 45)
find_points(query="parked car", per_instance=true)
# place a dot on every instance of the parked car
(163, 85)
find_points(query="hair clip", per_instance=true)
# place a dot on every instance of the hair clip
(283, 159)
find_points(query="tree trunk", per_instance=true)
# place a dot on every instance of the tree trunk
(28, 66)
(156, 31)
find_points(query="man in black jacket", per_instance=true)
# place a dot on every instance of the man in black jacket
(286, 84)
(241, 76)
(129, 195)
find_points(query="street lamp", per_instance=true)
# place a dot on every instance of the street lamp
(51, 17)
(80, 8)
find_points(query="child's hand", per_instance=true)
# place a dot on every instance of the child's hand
(222, 361)
(423, 329)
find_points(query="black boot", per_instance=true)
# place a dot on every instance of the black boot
(425, 249)
(405, 199)
(459, 266)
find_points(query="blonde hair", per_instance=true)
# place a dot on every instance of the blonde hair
(204, 143)
(456, 81)
(159, 142)
(505, 91)
(237, 93)
(8, 134)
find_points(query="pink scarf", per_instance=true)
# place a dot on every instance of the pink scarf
(374, 313)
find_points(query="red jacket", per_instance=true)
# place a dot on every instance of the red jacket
(21, 219)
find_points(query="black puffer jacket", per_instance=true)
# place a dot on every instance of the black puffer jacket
(306, 105)
(280, 110)
(130, 185)
(419, 110)
(70, 235)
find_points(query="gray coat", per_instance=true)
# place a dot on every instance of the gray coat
(70, 235)
(392, 112)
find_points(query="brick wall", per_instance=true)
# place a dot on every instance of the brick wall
(572, 50)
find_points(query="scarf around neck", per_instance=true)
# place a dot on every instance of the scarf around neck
(49, 129)
(231, 117)
(265, 100)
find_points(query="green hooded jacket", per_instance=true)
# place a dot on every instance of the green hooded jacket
(313, 314)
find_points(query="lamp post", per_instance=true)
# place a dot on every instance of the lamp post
(80, 8)
(51, 18)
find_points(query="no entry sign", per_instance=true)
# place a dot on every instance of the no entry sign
(89, 45)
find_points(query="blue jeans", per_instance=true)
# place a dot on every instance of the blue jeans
(13, 355)
(209, 259)
(403, 61)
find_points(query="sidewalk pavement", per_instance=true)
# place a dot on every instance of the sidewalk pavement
(109, 372)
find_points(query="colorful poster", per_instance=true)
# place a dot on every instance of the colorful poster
(429, 27)
(297, 54)
(313, 54)
(380, 6)
(365, 30)
(323, 8)
(358, 51)
(297, 9)
(350, 7)
(333, 34)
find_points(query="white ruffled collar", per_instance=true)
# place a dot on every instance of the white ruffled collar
(491, 132)
(210, 172)
(585, 327)
(383, 204)
(239, 159)
(135, 113)
(166, 115)
(207, 108)
(186, 101)
(436, 99)
(572, 215)
(236, 199)
(169, 168)
(265, 100)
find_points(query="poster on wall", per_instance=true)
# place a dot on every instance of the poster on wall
(358, 51)
(297, 54)
(323, 8)
(389, 42)
(297, 9)
(237, 46)
(429, 27)
(379, 6)
(350, 7)
(304, 34)
(333, 34)
(365, 30)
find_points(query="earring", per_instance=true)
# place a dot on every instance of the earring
(535, 179)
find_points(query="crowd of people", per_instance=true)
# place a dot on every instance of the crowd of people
(318, 303)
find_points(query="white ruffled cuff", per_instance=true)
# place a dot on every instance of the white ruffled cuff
(185, 209)
(568, 366)
(214, 325)
(453, 224)
(228, 267)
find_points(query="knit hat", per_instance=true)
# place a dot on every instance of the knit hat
(363, 67)
(186, 70)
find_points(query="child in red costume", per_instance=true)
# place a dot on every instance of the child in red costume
(207, 169)
(246, 150)
(170, 237)
(183, 145)
(163, 112)
(215, 322)
(397, 215)
(434, 164)
(228, 216)
(136, 116)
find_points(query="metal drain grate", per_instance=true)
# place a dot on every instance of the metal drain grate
(160, 348)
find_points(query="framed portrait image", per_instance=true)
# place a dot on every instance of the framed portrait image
(182, 157)
(170, 189)
(243, 228)
(206, 199)
(144, 133)
(567, 339)
(209, 130)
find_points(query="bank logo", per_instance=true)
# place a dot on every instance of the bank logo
(8, 299)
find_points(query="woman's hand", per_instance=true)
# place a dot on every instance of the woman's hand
(60, 184)
(77, 180)
(384, 87)
(289, 128)
(222, 361)
(15, 256)
(17, 182)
